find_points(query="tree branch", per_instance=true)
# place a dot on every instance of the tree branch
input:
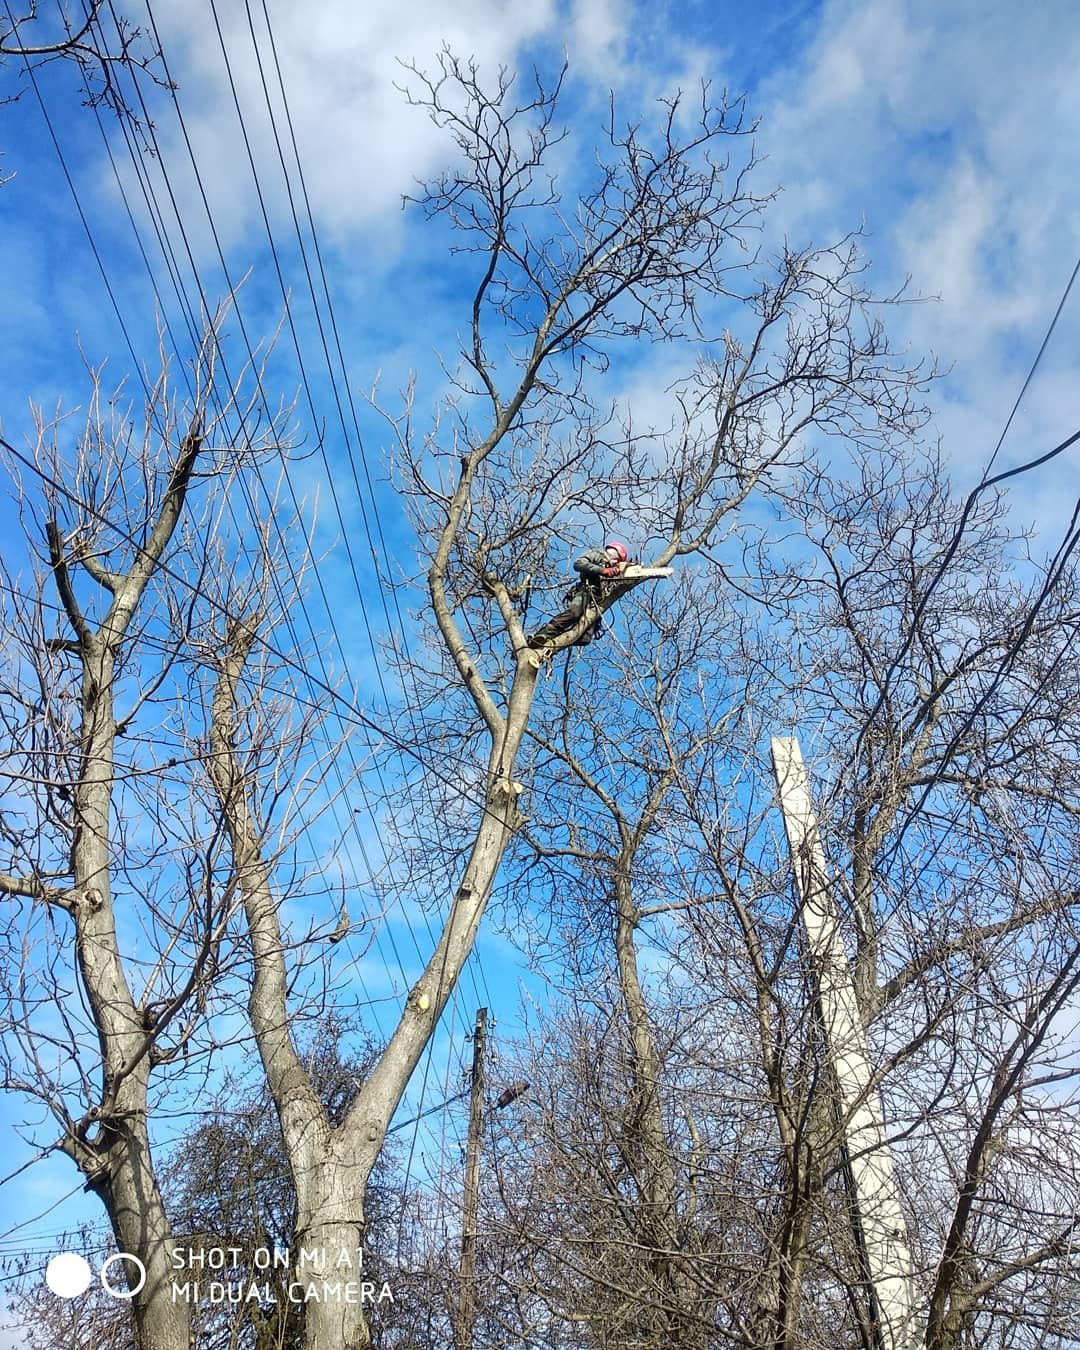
(34, 889)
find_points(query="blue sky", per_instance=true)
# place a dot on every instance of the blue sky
(947, 131)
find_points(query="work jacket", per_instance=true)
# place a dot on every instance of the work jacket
(592, 564)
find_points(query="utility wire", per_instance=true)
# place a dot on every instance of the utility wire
(413, 703)
(985, 482)
(352, 824)
(300, 357)
(203, 195)
(346, 713)
(192, 326)
(308, 392)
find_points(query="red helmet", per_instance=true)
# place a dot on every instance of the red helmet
(613, 546)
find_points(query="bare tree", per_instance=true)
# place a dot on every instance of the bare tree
(950, 710)
(948, 790)
(30, 40)
(679, 1169)
(228, 1188)
(522, 455)
(601, 842)
(119, 919)
(648, 241)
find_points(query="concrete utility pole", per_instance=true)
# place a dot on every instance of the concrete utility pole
(467, 1269)
(881, 1227)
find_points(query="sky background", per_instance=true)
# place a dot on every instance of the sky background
(946, 132)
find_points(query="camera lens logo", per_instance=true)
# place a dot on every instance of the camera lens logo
(68, 1275)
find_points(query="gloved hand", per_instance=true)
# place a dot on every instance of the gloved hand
(613, 570)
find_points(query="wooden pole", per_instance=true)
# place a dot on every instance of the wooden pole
(880, 1224)
(467, 1269)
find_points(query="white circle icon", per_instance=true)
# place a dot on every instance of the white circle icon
(111, 1289)
(68, 1275)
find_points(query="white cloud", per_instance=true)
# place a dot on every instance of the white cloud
(362, 146)
(952, 132)
(596, 37)
(944, 233)
(638, 53)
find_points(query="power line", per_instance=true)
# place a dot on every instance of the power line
(984, 483)
(333, 380)
(96, 252)
(352, 823)
(413, 704)
(347, 713)
(299, 354)
(203, 195)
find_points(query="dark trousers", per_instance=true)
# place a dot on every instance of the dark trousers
(570, 617)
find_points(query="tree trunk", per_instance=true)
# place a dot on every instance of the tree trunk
(116, 1160)
(328, 1270)
(140, 1226)
(331, 1165)
(660, 1226)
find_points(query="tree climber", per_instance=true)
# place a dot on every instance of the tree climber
(593, 567)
